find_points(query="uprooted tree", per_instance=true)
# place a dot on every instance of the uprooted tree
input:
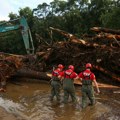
(100, 50)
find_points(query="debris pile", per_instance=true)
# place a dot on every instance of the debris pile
(102, 50)
(9, 64)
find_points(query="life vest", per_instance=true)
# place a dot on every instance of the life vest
(86, 78)
(68, 74)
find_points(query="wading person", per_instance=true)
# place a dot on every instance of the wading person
(56, 82)
(87, 78)
(68, 84)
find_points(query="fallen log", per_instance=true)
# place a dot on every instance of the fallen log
(32, 74)
(106, 30)
(108, 73)
(101, 85)
(68, 35)
(85, 43)
(74, 39)
(107, 35)
(47, 77)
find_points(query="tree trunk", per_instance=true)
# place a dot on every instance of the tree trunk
(108, 73)
(106, 30)
(32, 74)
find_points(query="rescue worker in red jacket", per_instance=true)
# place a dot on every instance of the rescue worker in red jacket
(68, 83)
(87, 78)
(56, 82)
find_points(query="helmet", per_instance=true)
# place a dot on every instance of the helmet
(88, 65)
(60, 66)
(71, 67)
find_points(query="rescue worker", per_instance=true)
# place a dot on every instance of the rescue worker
(87, 78)
(68, 83)
(56, 82)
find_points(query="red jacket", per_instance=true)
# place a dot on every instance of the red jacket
(69, 74)
(56, 72)
(87, 75)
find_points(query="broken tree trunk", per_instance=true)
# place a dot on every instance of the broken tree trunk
(68, 35)
(100, 29)
(116, 38)
(107, 35)
(33, 74)
(74, 39)
(108, 73)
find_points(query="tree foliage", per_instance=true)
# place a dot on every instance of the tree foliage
(73, 16)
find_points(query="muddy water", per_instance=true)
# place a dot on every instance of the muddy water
(31, 101)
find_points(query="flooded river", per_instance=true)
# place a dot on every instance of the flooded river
(30, 101)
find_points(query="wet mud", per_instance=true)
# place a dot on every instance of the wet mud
(30, 101)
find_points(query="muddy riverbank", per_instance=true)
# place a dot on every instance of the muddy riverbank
(30, 101)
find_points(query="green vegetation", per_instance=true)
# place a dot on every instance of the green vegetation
(73, 16)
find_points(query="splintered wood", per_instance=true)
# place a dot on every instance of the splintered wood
(102, 50)
(8, 65)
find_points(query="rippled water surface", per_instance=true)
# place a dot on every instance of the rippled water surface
(30, 101)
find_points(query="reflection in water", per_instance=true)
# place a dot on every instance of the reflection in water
(31, 101)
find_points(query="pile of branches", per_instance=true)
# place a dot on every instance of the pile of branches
(9, 64)
(101, 49)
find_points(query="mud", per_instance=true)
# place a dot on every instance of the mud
(30, 101)
(4, 115)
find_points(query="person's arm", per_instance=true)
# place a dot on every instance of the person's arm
(96, 85)
(79, 77)
(61, 76)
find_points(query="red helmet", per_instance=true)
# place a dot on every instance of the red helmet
(71, 67)
(60, 66)
(88, 65)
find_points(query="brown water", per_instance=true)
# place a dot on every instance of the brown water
(30, 100)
